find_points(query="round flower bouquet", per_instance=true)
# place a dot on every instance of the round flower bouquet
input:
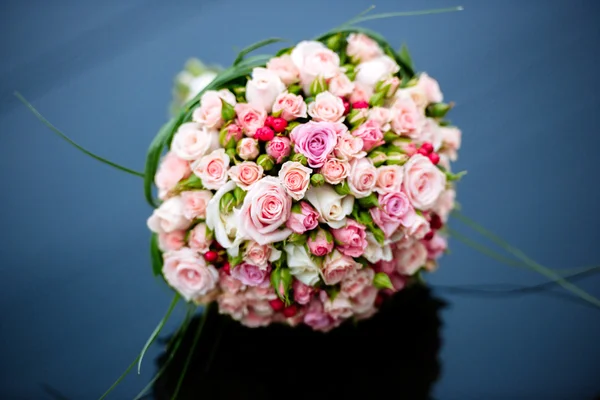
(309, 191)
(305, 188)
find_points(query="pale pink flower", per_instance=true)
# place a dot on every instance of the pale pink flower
(382, 116)
(304, 220)
(260, 255)
(418, 229)
(451, 137)
(361, 92)
(208, 114)
(279, 148)
(349, 147)
(302, 293)
(371, 134)
(406, 117)
(351, 240)
(192, 141)
(319, 244)
(263, 89)
(285, 68)
(362, 48)
(436, 246)
(314, 140)
(200, 238)
(394, 210)
(233, 305)
(362, 178)
(168, 217)
(295, 178)
(338, 308)
(172, 169)
(431, 88)
(290, 105)
(327, 108)
(445, 204)
(410, 258)
(246, 174)
(250, 118)
(355, 283)
(335, 170)
(423, 182)
(249, 274)
(247, 149)
(212, 169)
(340, 85)
(171, 241)
(337, 266)
(229, 283)
(379, 68)
(195, 203)
(389, 179)
(188, 273)
(314, 59)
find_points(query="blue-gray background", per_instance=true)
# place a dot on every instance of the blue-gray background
(77, 297)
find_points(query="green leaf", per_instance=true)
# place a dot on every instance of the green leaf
(369, 202)
(239, 194)
(155, 255)
(378, 233)
(342, 188)
(255, 46)
(404, 55)
(227, 111)
(297, 238)
(234, 261)
(70, 141)
(382, 281)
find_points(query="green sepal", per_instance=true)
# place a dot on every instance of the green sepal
(377, 233)
(369, 202)
(227, 111)
(237, 260)
(297, 239)
(438, 110)
(404, 55)
(390, 136)
(377, 99)
(382, 281)
(364, 217)
(342, 188)
(282, 278)
(294, 89)
(227, 203)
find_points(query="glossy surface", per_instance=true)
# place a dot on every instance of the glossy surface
(78, 300)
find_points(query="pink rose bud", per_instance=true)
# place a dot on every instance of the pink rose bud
(249, 118)
(302, 293)
(247, 149)
(303, 218)
(171, 241)
(320, 243)
(371, 134)
(279, 148)
(250, 275)
(351, 239)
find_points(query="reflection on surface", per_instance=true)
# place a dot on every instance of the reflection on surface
(393, 354)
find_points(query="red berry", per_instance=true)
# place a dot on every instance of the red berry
(379, 300)
(265, 133)
(277, 304)
(429, 235)
(290, 311)
(269, 121)
(436, 222)
(217, 245)
(227, 268)
(435, 158)
(428, 147)
(360, 104)
(423, 152)
(211, 256)
(346, 105)
(279, 124)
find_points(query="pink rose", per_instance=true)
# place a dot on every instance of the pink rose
(233, 132)
(361, 92)
(326, 107)
(451, 136)
(429, 131)
(247, 149)
(260, 255)
(284, 67)
(171, 241)
(340, 85)
(410, 258)
(431, 88)
(382, 116)
(200, 238)
(233, 305)
(364, 302)
(338, 308)
(314, 59)
(303, 218)
(414, 94)
(290, 105)
(172, 169)
(317, 318)
(168, 217)
(320, 243)
(351, 240)
(263, 89)
(278, 148)
(423, 182)
(195, 203)
(370, 133)
(394, 210)
(302, 293)
(295, 178)
(354, 284)
(436, 246)
(406, 117)
(389, 179)
(362, 48)
(337, 266)
(250, 118)
(255, 320)
(445, 204)
(362, 178)
(209, 112)
(246, 174)
(314, 140)
(335, 170)
(349, 147)
(188, 273)
(376, 69)
(192, 141)
(265, 209)
(229, 283)
(250, 275)
(419, 228)
(212, 169)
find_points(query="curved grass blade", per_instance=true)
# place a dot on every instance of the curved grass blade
(114, 385)
(405, 14)
(207, 311)
(531, 263)
(70, 141)
(256, 46)
(155, 255)
(157, 330)
(179, 339)
(351, 20)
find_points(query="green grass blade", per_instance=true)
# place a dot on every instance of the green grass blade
(114, 385)
(406, 14)
(256, 46)
(179, 339)
(207, 311)
(70, 141)
(533, 265)
(157, 330)
(155, 255)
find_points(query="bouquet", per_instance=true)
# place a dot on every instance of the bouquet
(311, 191)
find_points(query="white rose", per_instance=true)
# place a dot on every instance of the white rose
(332, 207)
(372, 71)
(302, 265)
(168, 217)
(221, 224)
(192, 141)
(376, 252)
(263, 88)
